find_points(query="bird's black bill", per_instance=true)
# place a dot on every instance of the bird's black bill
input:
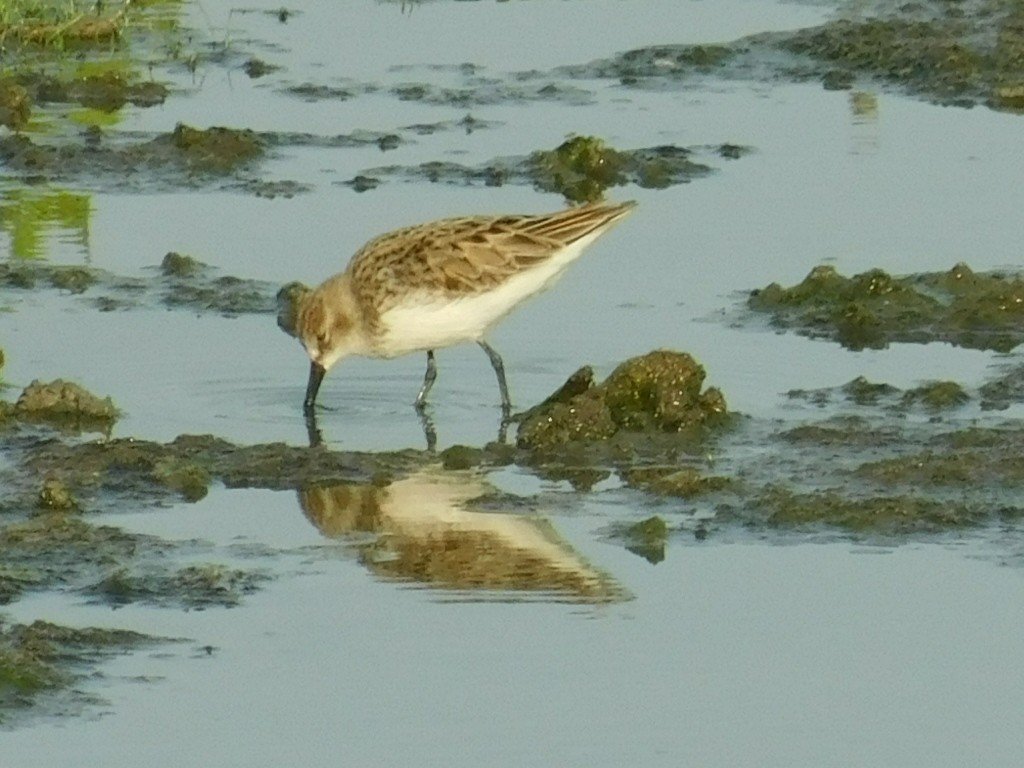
(316, 375)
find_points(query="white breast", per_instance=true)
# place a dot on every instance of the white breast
(429, 321)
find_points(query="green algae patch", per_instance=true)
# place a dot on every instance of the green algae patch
(580, 168)
(874, 309)
(646, 538)
(65, 405)
(43, 663)
(15, 105)
(193, 587)
(656, 393)
(958, 53)
(880, 514)
(55, 496)
(186, 477)
(679, 482)
(932, 56)
(146, 469)
(937, 395)
(63, 24)
(955, 461)
(106, 92)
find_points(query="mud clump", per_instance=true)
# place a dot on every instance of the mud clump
(176, 265)
(215, 149)
(937, 395)
(656, 393)
(874, 309)
(64, 404)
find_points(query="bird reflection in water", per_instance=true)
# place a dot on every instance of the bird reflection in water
(422, 531)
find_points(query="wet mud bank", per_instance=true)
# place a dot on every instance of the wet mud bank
(177, 282)
(965, 54)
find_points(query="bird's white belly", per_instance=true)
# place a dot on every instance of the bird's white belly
(431, 321)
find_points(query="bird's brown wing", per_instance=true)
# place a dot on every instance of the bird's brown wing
(454, 257)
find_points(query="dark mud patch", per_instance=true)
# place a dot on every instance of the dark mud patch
(60, 550)
(184, 156)
(1004, 390)
(42, 665)
(581, 169)
(874, 309)
(179, 282)
(122, 469)
(930, 397)
(193, 587)
(475, 90)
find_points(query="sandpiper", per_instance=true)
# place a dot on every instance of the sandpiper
(437, 284)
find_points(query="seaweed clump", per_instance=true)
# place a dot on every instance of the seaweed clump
(659, 392)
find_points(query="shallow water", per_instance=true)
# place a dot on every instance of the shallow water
(744, 653)
(729, 654)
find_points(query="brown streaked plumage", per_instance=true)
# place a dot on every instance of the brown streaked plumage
(437, 284)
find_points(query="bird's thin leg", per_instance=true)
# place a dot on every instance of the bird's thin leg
(429, 432)
(428, 379)
(316, 438)
(499, 370)
(316, 375)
